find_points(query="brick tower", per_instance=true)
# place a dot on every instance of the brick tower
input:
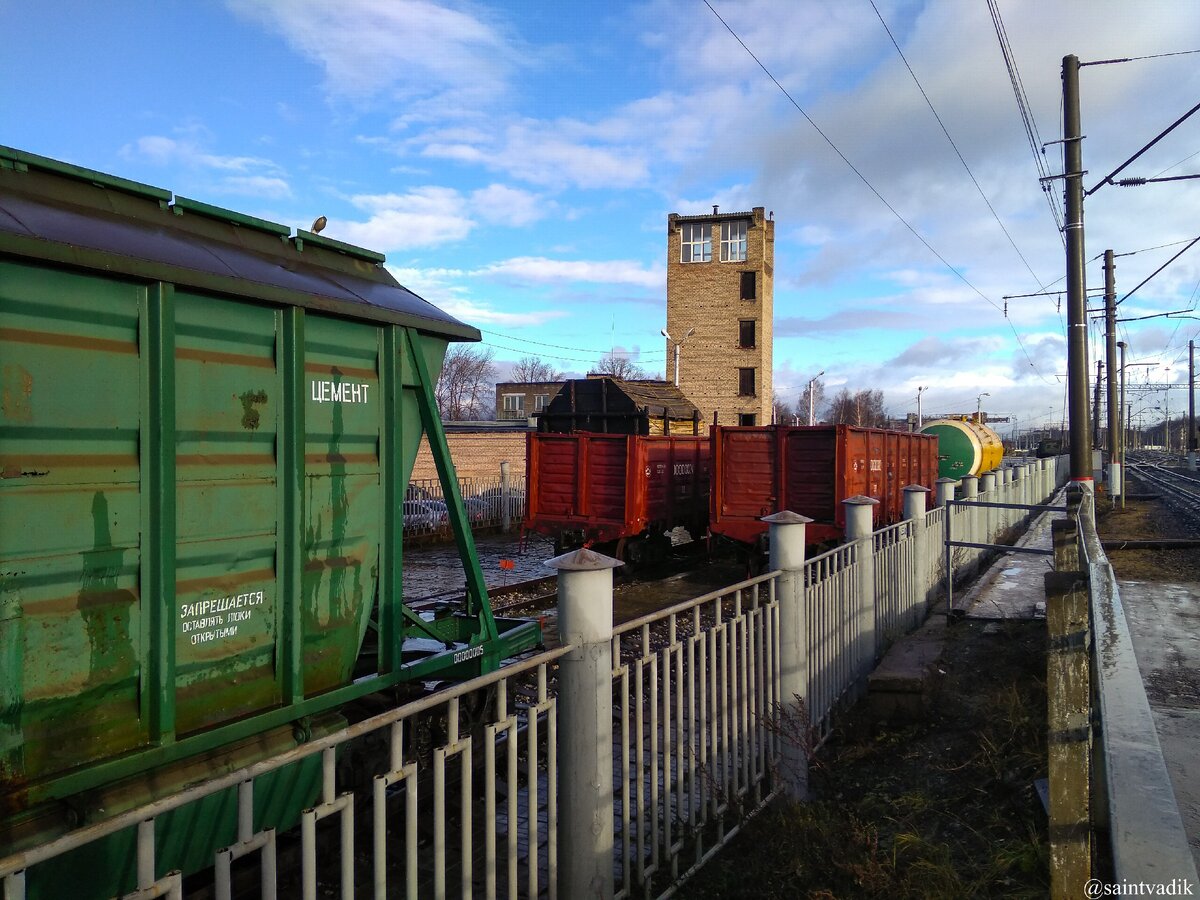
(720, 289)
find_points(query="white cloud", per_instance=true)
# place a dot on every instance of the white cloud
(251, 176)
(500, 204)
(542, 270)
(413, 48)
(258, 186)
(424, 217)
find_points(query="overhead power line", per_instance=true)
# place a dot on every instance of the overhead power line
(1036, 144)
(863, 178)
(957, 152)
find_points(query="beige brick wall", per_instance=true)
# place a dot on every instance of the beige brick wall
(476, 455)
(706, 296)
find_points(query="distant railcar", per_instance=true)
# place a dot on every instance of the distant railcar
(965, 447)
(618, 491)
(758, 471)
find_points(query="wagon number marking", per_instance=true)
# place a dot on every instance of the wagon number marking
(469, 653)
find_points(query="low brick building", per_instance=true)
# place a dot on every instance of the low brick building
(477, 449)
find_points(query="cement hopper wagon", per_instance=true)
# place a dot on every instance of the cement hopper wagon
(207, 429)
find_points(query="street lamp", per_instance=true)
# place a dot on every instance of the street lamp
(812, 419)
(920, 420)
(678, 344)
(979, 407)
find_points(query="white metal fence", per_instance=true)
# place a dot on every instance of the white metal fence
(494, 502)
(705, 703)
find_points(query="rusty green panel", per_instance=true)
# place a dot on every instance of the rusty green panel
(70, 527)
(433, 349)
(343, 415)
(227, 401)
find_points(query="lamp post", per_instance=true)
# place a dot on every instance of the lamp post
(812, 416)
(920, 420)
(678, 344)
(979, 407)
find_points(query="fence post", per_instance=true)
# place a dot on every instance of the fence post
(987, 487)
(585, 715)
(970, 491)
(505, 499)
(861, 530)
(1068, 689)
(786, 536)
(914, 511)
(1018, 491)
(945, 491)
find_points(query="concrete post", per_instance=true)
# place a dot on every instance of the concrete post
(987, 487)
(1019, 484)
(1007, 495)
(970, 491)
(786, 537)
(945, 491)
(585, 716)
(860, 529)
(505, 501)
(914, 511)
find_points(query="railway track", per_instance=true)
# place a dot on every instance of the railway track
(1179, 490)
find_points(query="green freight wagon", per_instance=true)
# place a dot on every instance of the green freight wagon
(207, 425)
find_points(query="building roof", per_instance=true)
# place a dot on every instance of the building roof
(612, 405)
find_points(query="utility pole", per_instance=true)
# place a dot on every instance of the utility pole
(1119, 445)
(1077, 337)
(1096, 403)
(812, 410)
(1191, 441)
(1110, 339)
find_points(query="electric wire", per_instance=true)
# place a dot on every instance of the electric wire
(912, 230)
(1036, 145)
(995, 215)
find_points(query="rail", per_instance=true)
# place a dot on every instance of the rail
(1113, 810)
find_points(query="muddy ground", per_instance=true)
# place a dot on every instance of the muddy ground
(947, 808)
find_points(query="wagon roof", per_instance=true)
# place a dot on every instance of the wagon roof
(64, 214)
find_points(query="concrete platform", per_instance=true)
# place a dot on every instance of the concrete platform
(1164, 621)
(1013, 587)
(897, 691)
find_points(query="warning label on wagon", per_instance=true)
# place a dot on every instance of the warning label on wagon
(211, 620)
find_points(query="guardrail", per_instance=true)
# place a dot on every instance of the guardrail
(1113, 812)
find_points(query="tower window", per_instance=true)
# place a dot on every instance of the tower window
(745, 382)
(733, 241)
(697, 243)
(746, 334)
(748, 286)
(746, 419)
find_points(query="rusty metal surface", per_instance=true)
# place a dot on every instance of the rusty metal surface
(811, 470)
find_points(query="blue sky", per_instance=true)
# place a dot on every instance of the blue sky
(516, 161)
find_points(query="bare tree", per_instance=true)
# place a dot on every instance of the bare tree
(618, 366)
(862, 408)
(783, 412)
(466, 388)
(530, 369)
(817, 388)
